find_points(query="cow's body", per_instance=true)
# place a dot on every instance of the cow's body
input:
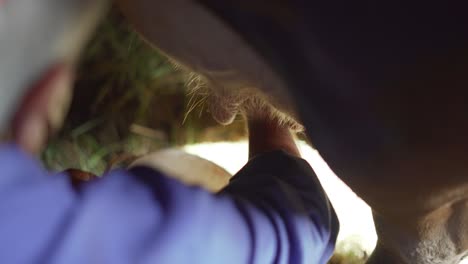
(399, 142)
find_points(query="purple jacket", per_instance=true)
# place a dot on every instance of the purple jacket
(273, 211)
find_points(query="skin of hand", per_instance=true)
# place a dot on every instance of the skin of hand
(268, 135)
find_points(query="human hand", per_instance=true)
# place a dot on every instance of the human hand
(266, 134)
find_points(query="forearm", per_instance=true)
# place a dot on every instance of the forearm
(286, 188)
(143, 214)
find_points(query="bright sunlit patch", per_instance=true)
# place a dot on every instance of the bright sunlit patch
(356, 223)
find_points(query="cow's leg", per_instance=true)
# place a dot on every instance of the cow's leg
(438, 237)
(381, 255)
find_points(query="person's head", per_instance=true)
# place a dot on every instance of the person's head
(40, 42)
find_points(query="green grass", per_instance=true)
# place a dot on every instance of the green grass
(121, 81)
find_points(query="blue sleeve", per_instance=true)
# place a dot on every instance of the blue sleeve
(275, 215)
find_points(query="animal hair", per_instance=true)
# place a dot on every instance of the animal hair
(246, 101)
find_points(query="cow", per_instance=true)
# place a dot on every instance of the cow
(378, 87)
